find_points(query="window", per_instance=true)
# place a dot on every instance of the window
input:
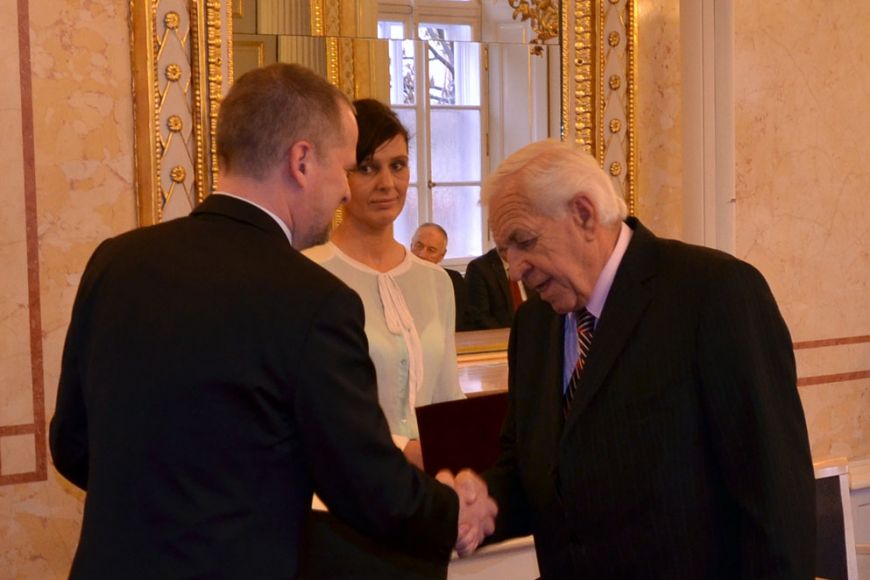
(436, 90)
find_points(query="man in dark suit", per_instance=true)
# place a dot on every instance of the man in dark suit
(213, 377)
(430, 243)
(492, 296)
(654, 427)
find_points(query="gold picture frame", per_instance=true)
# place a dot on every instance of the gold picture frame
(182, 66)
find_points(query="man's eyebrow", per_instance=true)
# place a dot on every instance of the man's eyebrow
(517, 236)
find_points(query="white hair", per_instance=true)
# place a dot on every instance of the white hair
(548, 174)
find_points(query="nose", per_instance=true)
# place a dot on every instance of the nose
(386, 179)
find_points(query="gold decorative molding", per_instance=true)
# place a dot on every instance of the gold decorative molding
(317, 26)
(334, 19)
(543, 16)
(179, 65)
(599, 41)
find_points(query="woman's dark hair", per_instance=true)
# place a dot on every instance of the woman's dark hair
(377, 124)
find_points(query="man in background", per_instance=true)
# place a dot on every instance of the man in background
(654, 427)
(492, 296)
(213, 378)
(430, 243)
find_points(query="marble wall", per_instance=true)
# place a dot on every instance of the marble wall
(659, 152)
(67, 162)
(802, 84)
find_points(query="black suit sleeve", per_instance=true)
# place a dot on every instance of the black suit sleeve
(68, 431)
(503, 480)
(757, 423)
(358, 472)
(460, 294)
(480, 305)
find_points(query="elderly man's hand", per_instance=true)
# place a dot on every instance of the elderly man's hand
(477, 510)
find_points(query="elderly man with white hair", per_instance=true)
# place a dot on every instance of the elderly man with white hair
(654, 427)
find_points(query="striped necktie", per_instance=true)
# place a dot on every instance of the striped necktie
(585, 327)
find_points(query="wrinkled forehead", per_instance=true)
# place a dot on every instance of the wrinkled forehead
(509, 212)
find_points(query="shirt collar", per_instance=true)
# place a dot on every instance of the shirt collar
(595, 305)
(278, 220)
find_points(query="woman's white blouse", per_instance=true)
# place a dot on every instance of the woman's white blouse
(410, 318)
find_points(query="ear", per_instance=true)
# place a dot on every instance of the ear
(584, 213)
(299, 159)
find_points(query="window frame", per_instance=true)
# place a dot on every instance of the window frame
(447, 12)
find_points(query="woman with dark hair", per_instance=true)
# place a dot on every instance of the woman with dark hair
(409, 304)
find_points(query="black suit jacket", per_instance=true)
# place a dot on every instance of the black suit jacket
(489, 296)
(460, 293)
(212, 379)
(685, 453)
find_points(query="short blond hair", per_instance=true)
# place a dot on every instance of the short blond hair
(270, 108)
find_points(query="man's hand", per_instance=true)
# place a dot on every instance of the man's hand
(477, 510)
(414, 453)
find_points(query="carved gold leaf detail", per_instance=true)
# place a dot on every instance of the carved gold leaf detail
(613, 39)
(615, 125)
(174, 123)
(615, 168)
(172, 20)
(173, 72)
(544, 17)
(584, 106)
(178, 174)
(615, 82)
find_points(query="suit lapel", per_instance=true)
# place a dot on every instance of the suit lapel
(551, 373)
(539, 335)
(628, 298)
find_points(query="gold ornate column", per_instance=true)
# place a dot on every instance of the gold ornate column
(599, 39)
(355, 61)
(180, 66)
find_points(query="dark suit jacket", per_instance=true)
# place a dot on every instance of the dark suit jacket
(685, 454)
(460, 294)
(489, 296)
(212, 379)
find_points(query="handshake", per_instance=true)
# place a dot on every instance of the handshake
(477, 510)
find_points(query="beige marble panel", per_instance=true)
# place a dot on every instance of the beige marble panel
(659, 165)
(84, 143)
(835, 359)
(83, 132)
(803, 182)
(15, 377)
(802, 85)
(838, 418)
(17, 454)
(39, 529)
